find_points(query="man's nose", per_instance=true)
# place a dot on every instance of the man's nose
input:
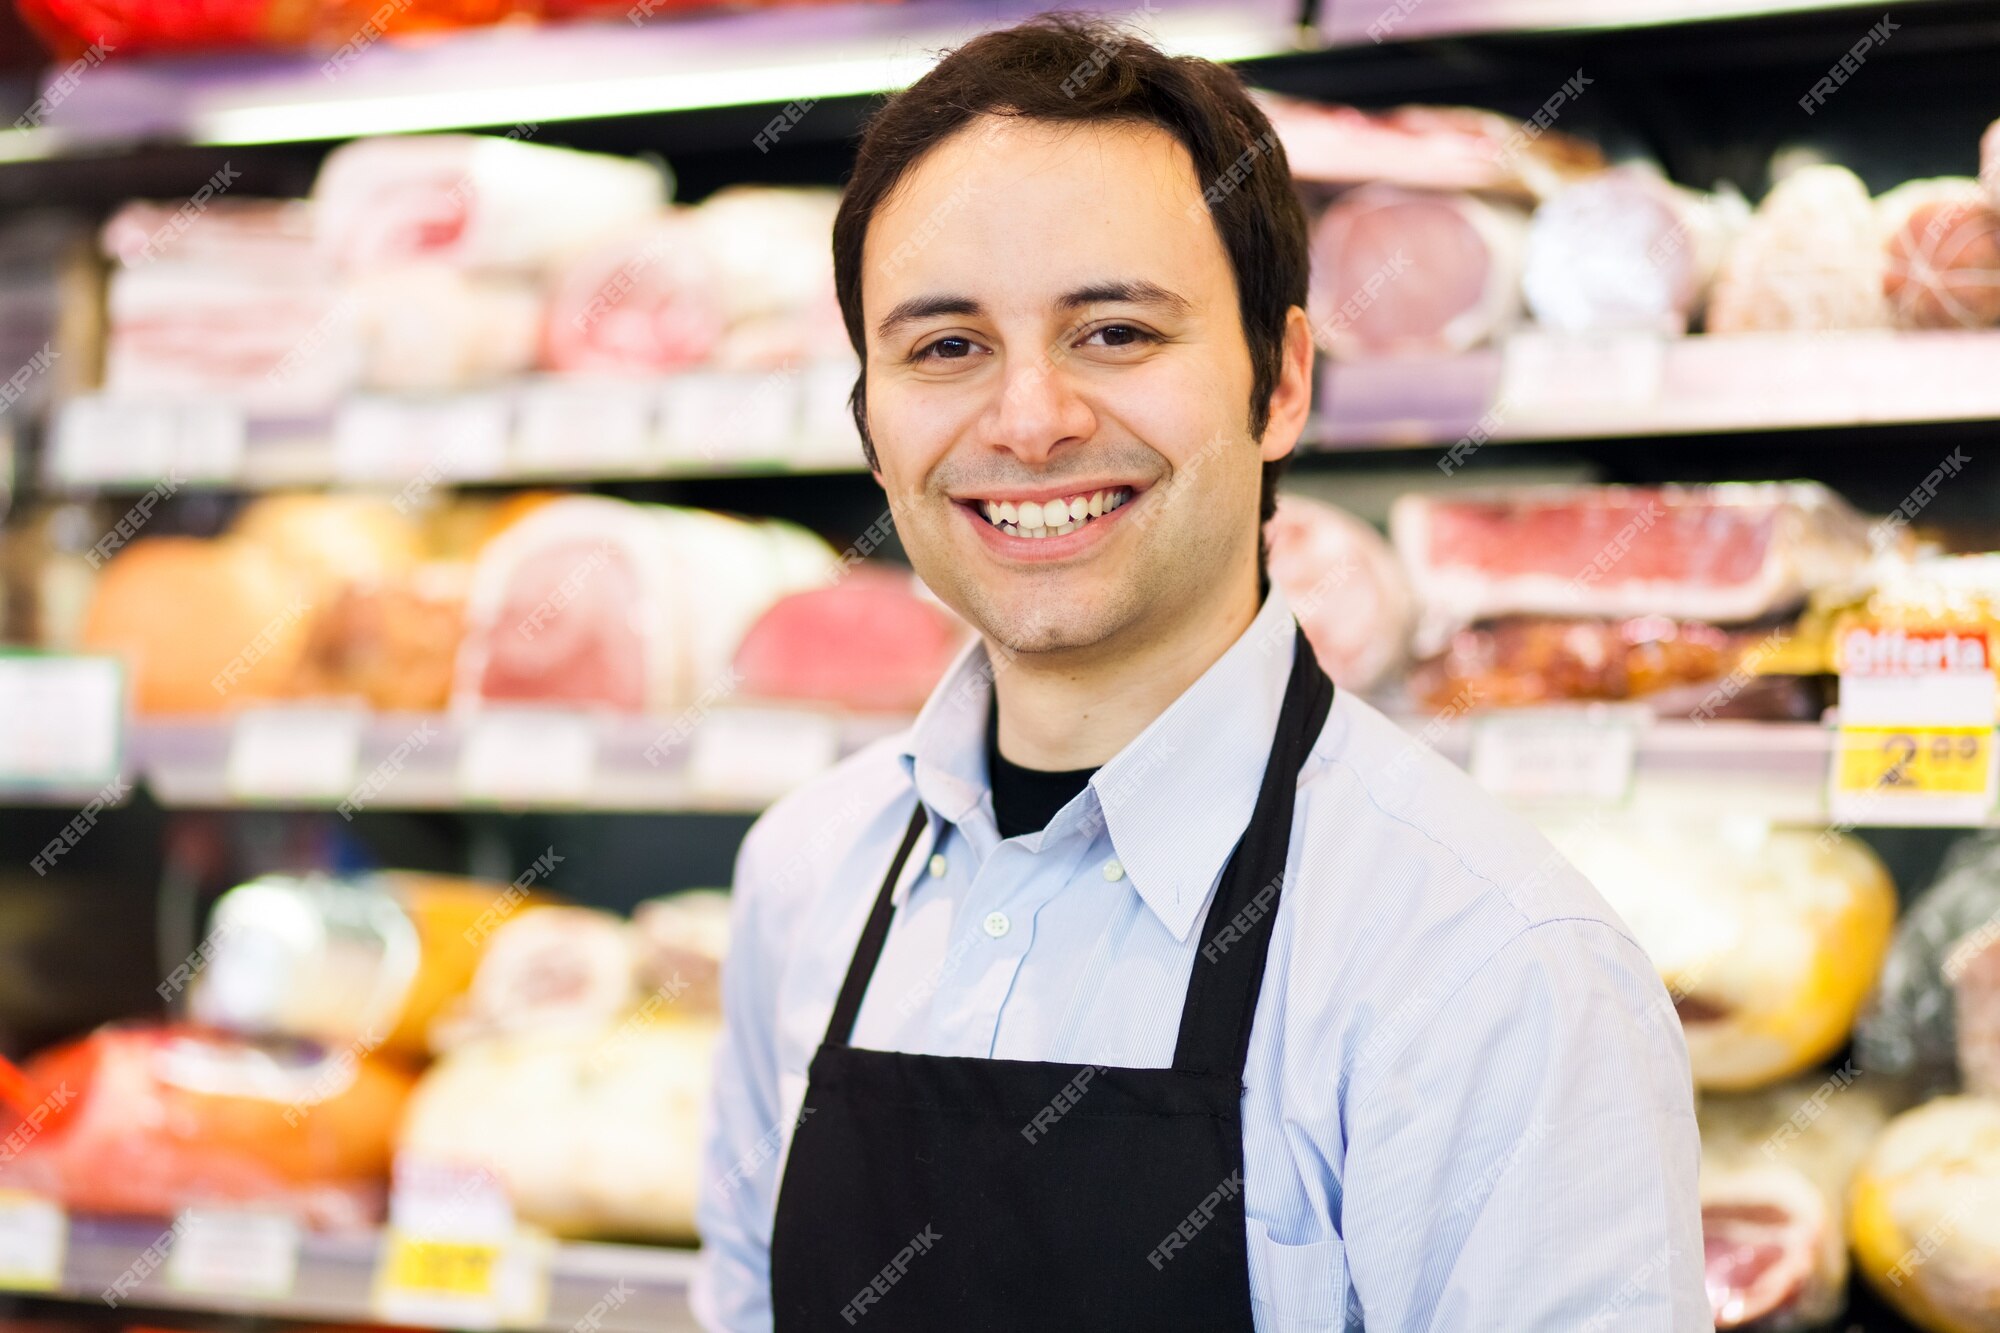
(1038, 407)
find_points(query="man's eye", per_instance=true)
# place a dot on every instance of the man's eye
(1119, 335)
(945, 349)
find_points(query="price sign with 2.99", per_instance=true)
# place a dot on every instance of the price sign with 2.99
(1916, 737)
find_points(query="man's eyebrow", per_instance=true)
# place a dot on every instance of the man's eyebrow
(1129, 292)
(1126, 291)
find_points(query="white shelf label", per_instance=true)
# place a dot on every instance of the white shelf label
(230, 1252)
(528, 755)
(1557, 754)
(33, 1235)
(381, 438)
(61, 720)
(725, 417)
(759, 754)
(108, 438)
(445, 1259)
(575, 426)
(1553, 376)
(299, 753)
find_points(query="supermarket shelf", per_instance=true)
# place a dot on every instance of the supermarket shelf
(1399, 20)
(737, 759)
(335, 1273)
(523, 74)
(1539, 386)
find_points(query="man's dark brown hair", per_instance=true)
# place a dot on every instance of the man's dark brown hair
(1065, 67)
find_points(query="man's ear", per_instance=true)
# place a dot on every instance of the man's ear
(1291, 396)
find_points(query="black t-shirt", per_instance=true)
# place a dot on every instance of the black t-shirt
(1025, 799)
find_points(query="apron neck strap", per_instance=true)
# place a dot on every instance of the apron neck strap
(841, 1026)
(1236, 935)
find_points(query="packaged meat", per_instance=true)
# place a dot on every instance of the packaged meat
(392, 645)
(770, 253)
(1810, 260)
(646, 301)
(1943, 244)
(1425, 147)
(475, 201)
(554, 969)
(274, 341)
(332, 539)
(594, 1134)
(682, 940)
(1526, 660)
(1939, 970)
(369, 962)
(870, 642)
(1346, 588)
(1768, 939)
(242, 232)
(432, 327)
(1398, 271)
(160, 1118)
(244, 645)
(1726, 553)
(1626, 250)
(1925, 1215)
(588, 600)
(1775, 1170)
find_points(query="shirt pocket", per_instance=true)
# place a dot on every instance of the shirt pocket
(1298, 1288)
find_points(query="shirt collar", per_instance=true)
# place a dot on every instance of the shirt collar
(1175, 800)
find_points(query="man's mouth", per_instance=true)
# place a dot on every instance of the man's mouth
(1052, 517)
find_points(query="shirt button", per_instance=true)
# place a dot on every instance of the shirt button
(1113, 871)
(938, 866)
(997, 924)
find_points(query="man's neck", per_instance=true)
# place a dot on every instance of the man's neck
(1059, 712)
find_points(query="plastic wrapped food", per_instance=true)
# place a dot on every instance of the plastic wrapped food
(1942, 957)
(1775, 1171)
(1346, 588)
(370, 961)
(558, 969)
(1810, 260)
(1725, 553)
(160, 1118)
(645, 302)
(1768, 939)
(871, 642)
(682, 940)
(1943, 242)
(392, 645)
(1531, 660)
(1425, 147)
(1924, 1215)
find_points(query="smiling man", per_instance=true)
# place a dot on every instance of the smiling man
(1145, 983)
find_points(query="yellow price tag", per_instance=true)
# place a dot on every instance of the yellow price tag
(1954, 761)
(423, 1267)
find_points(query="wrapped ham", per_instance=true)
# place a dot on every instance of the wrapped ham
(161, 1118)
(594, 601)
(770, 251)
(1932, 1017)
(432, 327)
(554, 969)
(646, 301)
(1775, 1171)
(1425, 147)
(273, 341)
(1399, 271)
(1768, 939)
(332, 539)
(243, 645)
(593, 1136)
(682, 940)
(1346, 588)
(1527, 660)
(474, 201)
(871, 642)
(1625, 250)
(1726, 553)
(392, 645)
(1810, 260)
(1925, 1215)
(1942, 239)
(242, 232)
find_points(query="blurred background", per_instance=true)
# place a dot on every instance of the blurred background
(433, 530)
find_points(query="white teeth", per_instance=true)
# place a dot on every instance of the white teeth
(1096, 503)
(992, 511)
(1051, 518)
(1117, 498)
(1031, 514)
(1008, 513)
(1078, 508)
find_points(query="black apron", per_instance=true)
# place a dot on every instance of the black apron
(942, 1193)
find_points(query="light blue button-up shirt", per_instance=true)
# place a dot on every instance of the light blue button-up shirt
(1467, 1099)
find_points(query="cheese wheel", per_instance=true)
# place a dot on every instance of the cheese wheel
(1924, 1215)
